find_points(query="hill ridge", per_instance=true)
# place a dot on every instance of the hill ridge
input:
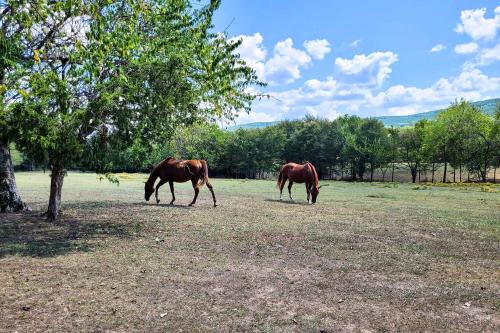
(487, 106)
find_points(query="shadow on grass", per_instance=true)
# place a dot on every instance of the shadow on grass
(288, 202)
(89, 205)
(30, 235)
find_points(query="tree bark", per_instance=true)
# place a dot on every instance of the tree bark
(10, 199)
(413, 174)
(371, 172)
(56, 184)
(433, 170)
(445, 171)
(392, 176)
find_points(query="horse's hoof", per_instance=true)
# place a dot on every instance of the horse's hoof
(157, 201)
(191, 204)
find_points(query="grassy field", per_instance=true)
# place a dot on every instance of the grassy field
(366, 258)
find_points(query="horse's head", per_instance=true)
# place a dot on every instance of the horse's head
(148, 190)
(314, 192)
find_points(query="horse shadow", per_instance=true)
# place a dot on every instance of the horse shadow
(167, 205)
(288, 202)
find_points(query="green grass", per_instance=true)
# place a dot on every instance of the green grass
(374, 257)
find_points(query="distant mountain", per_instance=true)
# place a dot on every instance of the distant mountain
(486, 106)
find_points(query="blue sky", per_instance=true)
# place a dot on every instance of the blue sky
(329, 58)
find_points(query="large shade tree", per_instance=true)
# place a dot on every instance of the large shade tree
(18, 42)
(126, 72)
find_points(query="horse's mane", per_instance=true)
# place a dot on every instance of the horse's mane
(154, 173)
(314, 174)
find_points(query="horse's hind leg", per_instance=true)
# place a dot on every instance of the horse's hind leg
(210, 187)
(196, 191)
(171, 183)
(290, 183)
(282, 184)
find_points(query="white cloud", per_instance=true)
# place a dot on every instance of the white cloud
(438, 48)
(330, 98)
(487, 56)
(284, 66)
(466, 48)
(368, 69)
(253, 52)
(477, 26)
(355, 43)
(317, 48)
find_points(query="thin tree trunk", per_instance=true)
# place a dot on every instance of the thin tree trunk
(10, 200)
(413, 175)
(495, 175)
(419, 176)
(56, 184)
(445, 171)
(454, 175)
(433, 170)
(460, 172)
(371, 172)
(392, 177)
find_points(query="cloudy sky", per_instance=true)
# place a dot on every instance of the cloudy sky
(389, 57)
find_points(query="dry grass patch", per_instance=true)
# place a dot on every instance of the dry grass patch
(421, 261)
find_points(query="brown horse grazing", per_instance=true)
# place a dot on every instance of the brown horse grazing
(171, 170)
(299, 173)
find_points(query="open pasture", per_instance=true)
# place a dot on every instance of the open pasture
(367, 257)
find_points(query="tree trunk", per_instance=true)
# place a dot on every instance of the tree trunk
(454, 175)
(433, 170)
(445, 171)
(495, 175)
(10, 200)
(419, 175)
(56, 184)
(392, 177)
(371, 172)
(413, 174)
(460, 172)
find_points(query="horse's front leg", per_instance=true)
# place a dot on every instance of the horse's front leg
(196, 191)
(171, 183)
(157, 187)
(290, 183)
(308, 192)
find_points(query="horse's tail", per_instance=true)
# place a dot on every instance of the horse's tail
(280, 178)
(204, 173)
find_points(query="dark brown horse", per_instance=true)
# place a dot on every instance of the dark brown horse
(299, 173)
(171, 170)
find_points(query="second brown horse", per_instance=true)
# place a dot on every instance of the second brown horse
(299, 173)
(172, 170)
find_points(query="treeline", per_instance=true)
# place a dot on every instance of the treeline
(460, 138)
